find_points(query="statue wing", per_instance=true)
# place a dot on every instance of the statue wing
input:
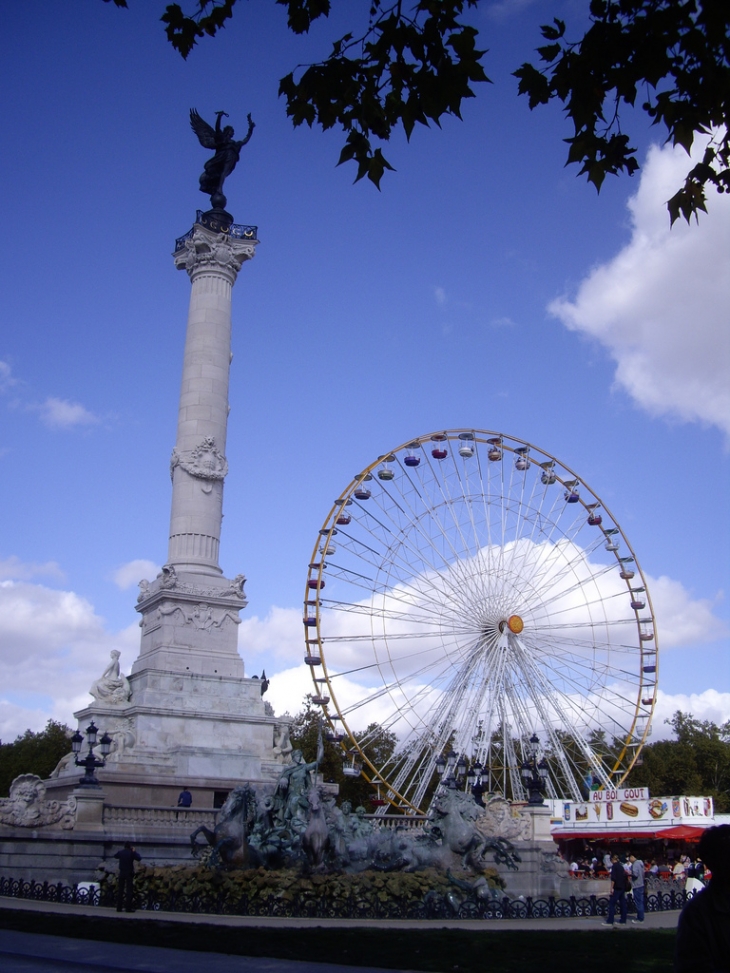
(205, 132)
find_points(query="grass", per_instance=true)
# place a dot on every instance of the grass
(433, 950)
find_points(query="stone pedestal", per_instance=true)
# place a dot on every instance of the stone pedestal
(89, 808)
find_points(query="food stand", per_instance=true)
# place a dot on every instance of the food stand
(661, 827)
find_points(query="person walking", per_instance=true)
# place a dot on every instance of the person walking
(619, 881)
(127, 856)
(637, 886)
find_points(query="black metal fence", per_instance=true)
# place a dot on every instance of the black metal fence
(433, 907)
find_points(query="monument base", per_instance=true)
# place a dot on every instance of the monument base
(208, 732)
(541, 871)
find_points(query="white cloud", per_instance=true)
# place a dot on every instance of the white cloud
(681, 619)
(660, 305)
(13, 569)
(505, 9)
(130, 574)
(708, 705)
(288, 689)
(440, 295)
(279, 635)
(352, 647)
(52, 647)
(64, 414)
(6, 377)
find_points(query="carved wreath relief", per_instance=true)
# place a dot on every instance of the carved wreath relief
(206, 462)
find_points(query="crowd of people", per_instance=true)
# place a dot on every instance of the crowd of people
(686, 872)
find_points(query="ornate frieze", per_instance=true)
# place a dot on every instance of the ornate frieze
(501, 819)
(203, 616)
(168, 580)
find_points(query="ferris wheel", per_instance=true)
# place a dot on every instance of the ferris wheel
(467, 592)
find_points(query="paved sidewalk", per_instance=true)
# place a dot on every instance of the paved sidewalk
(39, 937)
(23, 952)
(654, 920)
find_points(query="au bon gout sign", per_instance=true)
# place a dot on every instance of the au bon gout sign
(634, 807)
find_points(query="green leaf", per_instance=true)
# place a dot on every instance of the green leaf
(549, 52)
(551, 33)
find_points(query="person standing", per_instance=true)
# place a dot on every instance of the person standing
(185, 798)
(637, 886)
(618, 892)
(703, 933)
(127, 856)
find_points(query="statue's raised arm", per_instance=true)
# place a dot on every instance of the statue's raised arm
(227, 153)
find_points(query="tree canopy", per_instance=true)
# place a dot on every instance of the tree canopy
(696, 762)
(33, 753)
(376, 742)
(416, 62)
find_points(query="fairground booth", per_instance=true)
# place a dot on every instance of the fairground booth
(658, 829)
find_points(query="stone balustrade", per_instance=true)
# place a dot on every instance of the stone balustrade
(393, 821)
(159, 817)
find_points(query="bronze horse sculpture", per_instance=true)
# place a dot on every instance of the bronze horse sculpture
(316, 839)
(229, 839)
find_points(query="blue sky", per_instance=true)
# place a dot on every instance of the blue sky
(484, 287)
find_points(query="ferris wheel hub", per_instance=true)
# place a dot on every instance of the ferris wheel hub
(514, 623)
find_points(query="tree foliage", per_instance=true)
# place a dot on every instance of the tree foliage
(696, 762)
(674, 54)
(415, 62)
(33, 753)
(376, 742)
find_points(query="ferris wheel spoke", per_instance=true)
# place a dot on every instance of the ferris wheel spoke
(551, 564)
(566, 653)
(585, 698)
(422, 616)
(415, 520)
(547, 699)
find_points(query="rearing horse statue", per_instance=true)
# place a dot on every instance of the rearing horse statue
(229, 839)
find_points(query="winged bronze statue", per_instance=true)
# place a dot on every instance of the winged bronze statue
(227, 153)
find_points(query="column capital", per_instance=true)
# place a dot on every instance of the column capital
(202, 250)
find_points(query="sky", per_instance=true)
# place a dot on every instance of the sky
(484, 286)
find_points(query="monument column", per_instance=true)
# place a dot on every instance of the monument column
(190, 612)
(198, 466)
(188, 713)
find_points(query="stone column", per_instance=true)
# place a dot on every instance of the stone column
(190, 611)
(198, 464)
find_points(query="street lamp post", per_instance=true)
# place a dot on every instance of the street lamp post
(474, 782)
(451, 768)
(534, 773)
(90, 762)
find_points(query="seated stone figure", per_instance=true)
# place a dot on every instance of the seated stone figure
(113, 686)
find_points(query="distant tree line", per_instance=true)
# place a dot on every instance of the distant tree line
(696, 761)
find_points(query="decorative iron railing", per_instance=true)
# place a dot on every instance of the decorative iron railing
(236, 231)
(323, 908)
